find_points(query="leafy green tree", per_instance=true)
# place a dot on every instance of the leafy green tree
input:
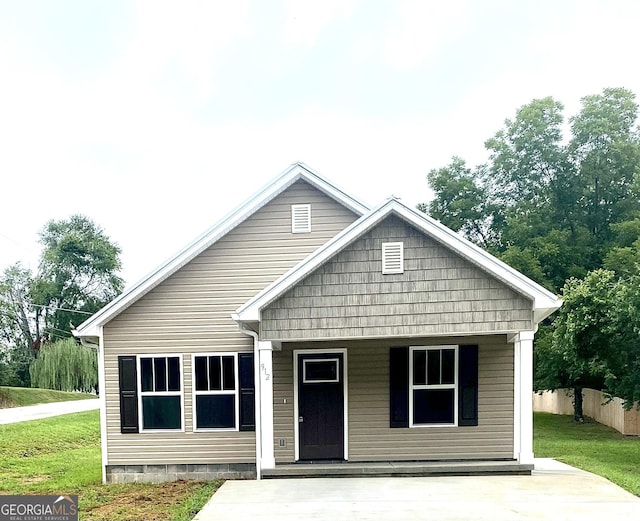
(576, 356)
(17, 329)
(606, 153)
(527, 155)
(77, 273)
(547, 208)
(623, 348)
(560, 209)
(65, 366)
(461, 201)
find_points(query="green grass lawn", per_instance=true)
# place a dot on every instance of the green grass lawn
(589, 446)
(20, 396)
(61, 455)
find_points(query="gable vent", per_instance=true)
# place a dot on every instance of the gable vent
(300, 218)
(392, 258)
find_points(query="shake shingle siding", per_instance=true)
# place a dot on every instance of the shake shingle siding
(190, 312)
(439, 293)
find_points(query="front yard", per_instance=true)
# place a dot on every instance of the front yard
(61, 455)
(589, 446)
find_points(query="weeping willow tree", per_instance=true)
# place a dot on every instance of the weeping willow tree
(65, 366)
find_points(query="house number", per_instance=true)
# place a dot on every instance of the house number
(267, 376)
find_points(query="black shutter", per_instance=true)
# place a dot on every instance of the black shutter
(468, 386)
(247, 392)
(128, 381)
(399, 387)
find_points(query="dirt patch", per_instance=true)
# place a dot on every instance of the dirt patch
(145, 502)
(33, 479)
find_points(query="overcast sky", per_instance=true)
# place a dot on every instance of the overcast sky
(155, 119)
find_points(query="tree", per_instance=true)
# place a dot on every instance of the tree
(548, 209)
(623, 348)
(527, 155)
(461, 201)
(17, 336)
(560, 213)
(606, 153)
(77, 273)
(576, 356)
(65, 366)
(77, 276)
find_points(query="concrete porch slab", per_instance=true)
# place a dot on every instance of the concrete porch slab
(396, 468)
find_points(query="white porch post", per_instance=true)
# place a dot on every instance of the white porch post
(265, 353)
(523, 400)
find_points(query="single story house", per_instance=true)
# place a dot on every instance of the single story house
(306, 327)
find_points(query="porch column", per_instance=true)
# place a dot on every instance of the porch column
(523, 397)
(265, 353)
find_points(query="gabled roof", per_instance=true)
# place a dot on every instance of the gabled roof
(295, 172)
(544, 302)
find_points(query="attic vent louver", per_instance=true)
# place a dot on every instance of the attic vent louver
(392, 258)
(300, 218)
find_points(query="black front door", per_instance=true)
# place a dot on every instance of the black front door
(321, 406)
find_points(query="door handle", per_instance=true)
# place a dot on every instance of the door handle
(300, 419)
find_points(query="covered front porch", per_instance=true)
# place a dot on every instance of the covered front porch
(356, 422)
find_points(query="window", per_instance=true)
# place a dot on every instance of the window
(216, 391)
(300, 218)
(320, 370)
(392, 258)
(433, 386)
(160, 392)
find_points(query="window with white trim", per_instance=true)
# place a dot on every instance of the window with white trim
(215, 389)
(161, 392)
(433, 391)
(392, 258)
(300, 218)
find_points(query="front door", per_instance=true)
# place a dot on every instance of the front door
(321, 406)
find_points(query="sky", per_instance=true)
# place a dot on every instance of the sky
(155, 119)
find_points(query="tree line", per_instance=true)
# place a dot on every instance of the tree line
(77, 275)
(559, 200)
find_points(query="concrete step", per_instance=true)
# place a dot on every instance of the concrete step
(396, 468)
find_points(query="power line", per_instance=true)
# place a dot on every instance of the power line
(62, 309)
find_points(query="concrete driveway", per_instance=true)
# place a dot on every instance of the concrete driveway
(554, 492)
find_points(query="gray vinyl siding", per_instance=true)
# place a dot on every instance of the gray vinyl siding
(190, 312)
(369, 435)
(439, 293)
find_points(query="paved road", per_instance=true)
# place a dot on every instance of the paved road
(46, 410)
(554, 492)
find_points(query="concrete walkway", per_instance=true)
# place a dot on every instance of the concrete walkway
(46, 410)
(553, 492)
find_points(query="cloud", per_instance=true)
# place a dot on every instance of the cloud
(421, 29)
(187, 39)
(305, 20)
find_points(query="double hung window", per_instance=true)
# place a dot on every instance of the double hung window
(216, 391)
(161, 392)
(433, 385)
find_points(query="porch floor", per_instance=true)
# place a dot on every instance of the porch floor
(396, 468)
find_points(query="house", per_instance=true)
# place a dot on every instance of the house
(308, 327)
